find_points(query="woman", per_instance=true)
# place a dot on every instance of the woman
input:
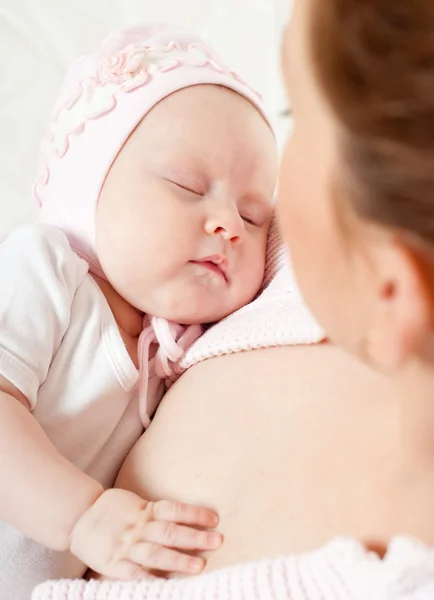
(296, 445)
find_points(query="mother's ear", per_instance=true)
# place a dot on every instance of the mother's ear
(402, 309)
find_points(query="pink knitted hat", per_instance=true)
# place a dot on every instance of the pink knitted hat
(104, 97)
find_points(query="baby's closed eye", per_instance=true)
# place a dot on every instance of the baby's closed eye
(255, 212)
(188, 187)
(186, 179)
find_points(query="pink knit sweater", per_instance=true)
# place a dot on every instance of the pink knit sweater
(342, 570)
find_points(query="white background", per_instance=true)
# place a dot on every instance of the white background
(39, 38)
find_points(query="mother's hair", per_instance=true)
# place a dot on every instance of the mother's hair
(374, 62)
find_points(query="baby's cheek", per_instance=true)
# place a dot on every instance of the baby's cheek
(255, 274)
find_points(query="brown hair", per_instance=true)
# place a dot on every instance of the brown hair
(374, 62)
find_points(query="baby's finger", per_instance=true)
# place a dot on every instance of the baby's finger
(179, 536)
(154, 556)
(187, 514)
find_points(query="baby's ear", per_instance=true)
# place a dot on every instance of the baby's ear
(402, 323)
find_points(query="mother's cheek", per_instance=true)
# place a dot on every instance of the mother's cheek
(290, 211)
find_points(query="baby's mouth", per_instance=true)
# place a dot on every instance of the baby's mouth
(215, 263)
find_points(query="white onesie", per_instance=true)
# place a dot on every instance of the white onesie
(61, 347)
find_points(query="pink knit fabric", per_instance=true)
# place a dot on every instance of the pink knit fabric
(172, 341)
(342, 570)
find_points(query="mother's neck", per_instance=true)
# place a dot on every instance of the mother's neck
(416, 400)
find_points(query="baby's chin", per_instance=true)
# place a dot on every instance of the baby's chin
(204, 317)
(197, 304)
(185, 313)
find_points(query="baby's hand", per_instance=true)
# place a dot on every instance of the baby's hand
(121, 534)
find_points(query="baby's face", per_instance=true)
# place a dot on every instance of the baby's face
(183, 215)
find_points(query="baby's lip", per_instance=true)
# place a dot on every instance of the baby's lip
(216, 262)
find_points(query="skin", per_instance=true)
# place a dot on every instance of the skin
(184, 187)
(292, 447)
(323, 445)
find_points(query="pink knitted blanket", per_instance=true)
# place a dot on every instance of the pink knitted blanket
(342, 570)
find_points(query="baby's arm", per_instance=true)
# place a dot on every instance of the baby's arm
(43, 495)
(116, 533)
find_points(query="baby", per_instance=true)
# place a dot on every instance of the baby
(155, 194)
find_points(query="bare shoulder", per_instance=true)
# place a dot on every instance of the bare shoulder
(276, 365)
